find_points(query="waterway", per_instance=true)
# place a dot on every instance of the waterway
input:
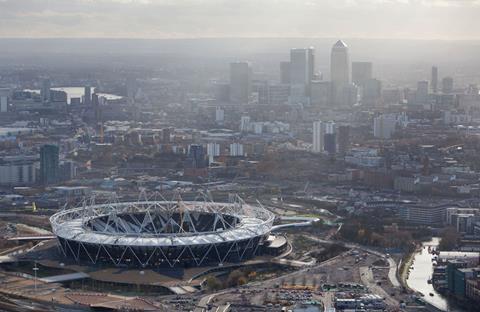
(78, 92)
(422, 272)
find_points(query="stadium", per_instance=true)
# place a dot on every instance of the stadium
(151, 233)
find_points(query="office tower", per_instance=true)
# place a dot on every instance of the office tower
(4, 92)
(219, 115)
(330, 127)
(348, 95)
(447, 85)
(222, 91)
(302, 71)
(340, 75)
(245, 123)
(298, 95)
(329, 139)
(49, 164)
(298, 76)
(384, 126)
(298, 67)
(197, 156)
(321, 93)
(302, 66)
(421, 96)
(372, 93)
(240, 82)
(310, 67)
(434, 81)
(45, 91)
(361, 73)
(318, 136)
(87, 96)
(285, 72)
(278, 94)
(343, 139)
(339, 64)
(330, 144)
(97, 110)
(260, 92)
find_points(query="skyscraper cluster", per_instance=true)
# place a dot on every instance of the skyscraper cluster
(301, 84)
(342, 89)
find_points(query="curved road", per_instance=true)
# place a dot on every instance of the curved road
(392, 271)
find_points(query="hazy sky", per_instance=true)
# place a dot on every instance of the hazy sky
(422, 19)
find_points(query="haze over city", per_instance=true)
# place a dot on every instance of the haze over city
(393, 19)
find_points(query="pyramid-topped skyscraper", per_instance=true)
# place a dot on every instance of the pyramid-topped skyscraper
(340, 64)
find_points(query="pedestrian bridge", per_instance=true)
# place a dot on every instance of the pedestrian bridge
(297, 221)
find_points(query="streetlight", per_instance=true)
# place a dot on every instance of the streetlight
(35, 269)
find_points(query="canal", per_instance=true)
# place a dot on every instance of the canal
(422, 272)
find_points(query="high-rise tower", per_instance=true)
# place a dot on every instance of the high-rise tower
(45, 91)
(361, 73)
(434, 81)
(302, 71)
(49, 164)
(87, 96)
(318, 134)
(240, 82)
(298, 66)
(4, 92)
(447, 85)
(302, 65)
(340, 64)
(285, 72)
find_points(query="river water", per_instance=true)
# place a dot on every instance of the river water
(422, 272)
(78, 92)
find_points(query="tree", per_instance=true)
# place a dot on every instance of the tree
(236, 278)
(242, 280)
(213, 283)
(449, 239)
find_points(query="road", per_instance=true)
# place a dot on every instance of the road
(392, 270)
(392, 273)
(367, 278)
(205, 300)
(328, 300)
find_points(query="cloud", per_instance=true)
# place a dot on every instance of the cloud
(435, 19)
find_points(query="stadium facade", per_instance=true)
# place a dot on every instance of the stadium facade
(148, 233)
